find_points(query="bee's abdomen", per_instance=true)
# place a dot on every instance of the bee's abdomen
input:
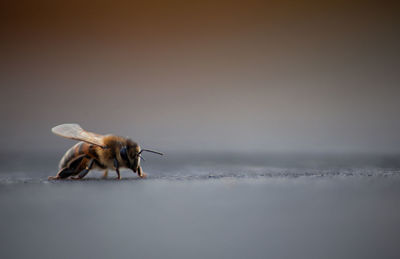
(78, 149)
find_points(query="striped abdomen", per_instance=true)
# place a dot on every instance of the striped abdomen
(81, 148)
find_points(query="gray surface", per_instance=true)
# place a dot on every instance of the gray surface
(189, 211)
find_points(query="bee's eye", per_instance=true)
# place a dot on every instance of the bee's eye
(124, 153)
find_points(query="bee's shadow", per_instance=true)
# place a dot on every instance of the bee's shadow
(96, 179)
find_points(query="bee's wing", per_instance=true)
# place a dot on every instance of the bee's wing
(74, 131)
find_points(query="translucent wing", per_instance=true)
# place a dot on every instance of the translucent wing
(74, 131)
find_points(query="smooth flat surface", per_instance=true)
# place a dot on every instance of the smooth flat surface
(203, 209)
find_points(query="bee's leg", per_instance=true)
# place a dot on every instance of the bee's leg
(116, 165)
(62, 174)
(69, 170)
(105, 174)
(118, 174)
(84, 172)
(141, 173)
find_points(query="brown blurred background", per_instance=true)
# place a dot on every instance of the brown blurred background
(203, 75)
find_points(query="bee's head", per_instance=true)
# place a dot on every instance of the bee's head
(131, 154)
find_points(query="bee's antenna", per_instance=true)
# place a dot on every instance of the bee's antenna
(151, 151)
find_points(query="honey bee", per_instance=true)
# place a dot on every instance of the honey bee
(95, 151)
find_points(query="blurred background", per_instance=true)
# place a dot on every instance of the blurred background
(279, 120)
(302, 76)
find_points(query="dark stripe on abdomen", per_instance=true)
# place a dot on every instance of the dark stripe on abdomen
(70, 154)
(92, 152)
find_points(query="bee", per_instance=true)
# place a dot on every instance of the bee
(95, 151)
